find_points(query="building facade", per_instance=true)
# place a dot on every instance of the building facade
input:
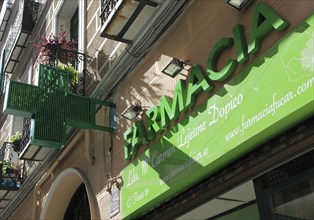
(165, 110)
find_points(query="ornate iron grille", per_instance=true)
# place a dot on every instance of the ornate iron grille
(33, 11)
(2, 74)
(107, 6)
(26, 133)
(79, 206)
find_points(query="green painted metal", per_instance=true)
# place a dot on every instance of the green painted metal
(52, 107)
(268, 97)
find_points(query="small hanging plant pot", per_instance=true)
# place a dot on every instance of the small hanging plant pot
(7, 167)
(9, 170)
(17, 145)
(72, 76)
(16, 140)
(55, 48)
(65, 55)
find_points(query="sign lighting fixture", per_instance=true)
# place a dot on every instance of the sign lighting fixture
(238, 4)
(173, 67)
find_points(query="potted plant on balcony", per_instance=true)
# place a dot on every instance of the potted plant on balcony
(72, 75)
(9, 176)
(55, 48)
(16, 141)
(6, 167)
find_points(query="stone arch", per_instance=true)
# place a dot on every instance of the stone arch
(61, 192)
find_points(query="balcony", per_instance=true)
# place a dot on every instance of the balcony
(5, 14)
(11, 177)
(2, 81)
(3, 116)
(19, 35)
(122, 20)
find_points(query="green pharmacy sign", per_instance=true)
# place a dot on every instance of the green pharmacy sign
(158, 118)
(52, 107)
(272, 94)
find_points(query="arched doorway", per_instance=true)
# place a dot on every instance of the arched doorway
(70, 191)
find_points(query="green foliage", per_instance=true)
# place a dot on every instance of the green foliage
(55, 48)
(16, 137)
(72, 74)
(6, 165)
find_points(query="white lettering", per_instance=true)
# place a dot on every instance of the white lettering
(157, 158)
(216, 113)
(187, 135)
(133, 177)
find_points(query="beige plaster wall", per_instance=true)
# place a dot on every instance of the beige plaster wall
(76, 156)
(102, 51)
(24, 211)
